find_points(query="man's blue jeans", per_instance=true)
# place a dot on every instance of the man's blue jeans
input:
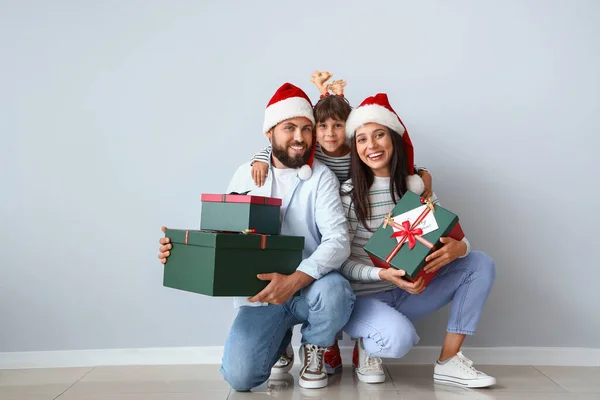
(259, 335)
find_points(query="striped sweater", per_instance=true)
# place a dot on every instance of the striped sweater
(358, 269)
(340, 166)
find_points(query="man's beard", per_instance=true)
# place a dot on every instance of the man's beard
(281, 153)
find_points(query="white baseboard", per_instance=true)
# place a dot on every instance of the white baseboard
(557, 356)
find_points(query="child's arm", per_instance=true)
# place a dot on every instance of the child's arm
(260, 166)
(427, 180)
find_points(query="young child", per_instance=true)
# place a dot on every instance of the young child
(333, 150)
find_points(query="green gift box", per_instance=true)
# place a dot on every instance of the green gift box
(240, 212)
(410, 233)
(226, 264)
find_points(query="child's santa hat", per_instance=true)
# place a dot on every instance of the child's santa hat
(289, 102)
(378, 109)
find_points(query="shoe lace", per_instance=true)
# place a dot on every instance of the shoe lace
(372, 364)
(466, 361)
(314, 358)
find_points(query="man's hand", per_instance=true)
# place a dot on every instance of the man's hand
(450, 251)
(395, 276)
(282, 287)
(165, 246)
(427, 180)
(259, 172)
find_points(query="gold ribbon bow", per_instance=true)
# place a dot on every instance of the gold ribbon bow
(387, 219)
(429, 204)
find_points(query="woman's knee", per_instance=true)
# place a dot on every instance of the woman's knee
(401, 341)
(394, 339)
(485, 268)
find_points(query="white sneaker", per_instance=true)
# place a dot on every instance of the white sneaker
(459, 371)
(368, 369)
(285, 362)
(312, 375)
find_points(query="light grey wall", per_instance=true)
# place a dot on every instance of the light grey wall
(117, 115)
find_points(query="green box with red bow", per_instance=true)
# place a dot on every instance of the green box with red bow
(240, 212)
(410, 233)
(226, 264)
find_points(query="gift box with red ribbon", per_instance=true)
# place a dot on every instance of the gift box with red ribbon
(410, 233)
(226, 264)
(238, 212)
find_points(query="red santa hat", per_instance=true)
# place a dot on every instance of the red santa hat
(378, 109)
(288, 102)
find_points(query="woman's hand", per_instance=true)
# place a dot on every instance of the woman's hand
(395, 276)
(450, 251)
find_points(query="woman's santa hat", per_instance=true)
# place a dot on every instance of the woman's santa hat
(288, 102)
(378, 109)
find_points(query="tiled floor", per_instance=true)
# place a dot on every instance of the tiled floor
(203, 382)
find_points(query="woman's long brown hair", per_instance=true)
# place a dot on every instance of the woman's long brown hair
(362, 178)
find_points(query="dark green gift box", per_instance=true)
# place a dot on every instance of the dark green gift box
(381, 246)
(226, 264)
(236, 213)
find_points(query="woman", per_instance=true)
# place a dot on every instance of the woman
(386, 304)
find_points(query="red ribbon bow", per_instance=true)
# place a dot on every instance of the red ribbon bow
(408, 233)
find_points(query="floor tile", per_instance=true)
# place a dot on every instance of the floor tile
(316, 394)
(162, 373)
(340, 386)
(491, 394)
(41, 376)
(38, 384)
(341, 382)
(575, 379)
(520, 379)
(32, 392)
(148, 396)
(131, 387)
(204, 382)
(517, 378)
(150, 379)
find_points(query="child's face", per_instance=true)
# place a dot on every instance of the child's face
(331, 135)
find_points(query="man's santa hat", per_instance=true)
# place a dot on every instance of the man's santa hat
(378, 109)
(289, 102)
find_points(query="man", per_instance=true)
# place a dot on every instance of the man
(311, 208)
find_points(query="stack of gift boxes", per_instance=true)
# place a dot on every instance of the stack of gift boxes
(239, 238)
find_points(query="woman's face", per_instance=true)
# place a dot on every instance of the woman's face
(375, 148)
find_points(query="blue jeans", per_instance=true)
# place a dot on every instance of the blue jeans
(259, 335)
(384, 319)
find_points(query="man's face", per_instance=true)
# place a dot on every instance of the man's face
(291, 141)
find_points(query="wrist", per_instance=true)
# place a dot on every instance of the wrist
(383, 274)
(301, 280)
(463, 249)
